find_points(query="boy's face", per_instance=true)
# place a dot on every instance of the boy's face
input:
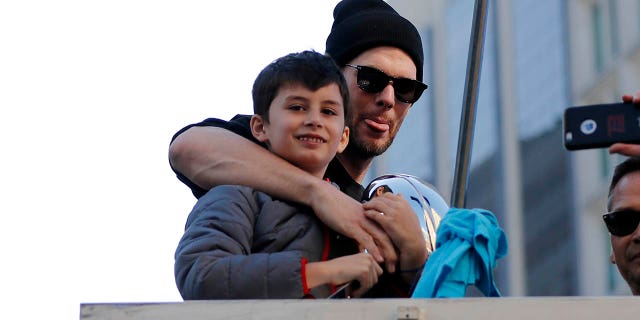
(305, 127)
(626, 249)
(375, 118)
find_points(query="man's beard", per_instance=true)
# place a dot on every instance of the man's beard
(365, 150)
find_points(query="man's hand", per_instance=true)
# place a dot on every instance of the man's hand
(346, 216)
(399, 221)
(632, 99)
(627, 149)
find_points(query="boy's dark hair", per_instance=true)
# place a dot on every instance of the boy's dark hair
(632, 164)
(308, 68)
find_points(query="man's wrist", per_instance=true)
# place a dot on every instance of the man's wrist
(413, 262)
(418, 269)
(319, 192)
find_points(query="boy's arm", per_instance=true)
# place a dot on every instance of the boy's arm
(214, 259)
(212, 156)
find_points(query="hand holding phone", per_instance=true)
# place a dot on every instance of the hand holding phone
(599, 126)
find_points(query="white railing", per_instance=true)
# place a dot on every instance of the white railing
(466, 308)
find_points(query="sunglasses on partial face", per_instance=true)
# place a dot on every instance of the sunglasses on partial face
(622, 223)
(372, 80)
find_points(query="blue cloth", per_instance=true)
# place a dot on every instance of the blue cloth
(468, 243)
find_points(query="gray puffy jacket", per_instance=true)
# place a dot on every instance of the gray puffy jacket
(243, 244)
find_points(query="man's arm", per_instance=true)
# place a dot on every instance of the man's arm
(211, 156)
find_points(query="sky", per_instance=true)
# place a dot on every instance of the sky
(90, 94)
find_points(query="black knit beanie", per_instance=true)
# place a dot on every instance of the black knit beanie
(360, 25)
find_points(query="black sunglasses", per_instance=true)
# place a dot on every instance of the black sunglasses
(623, 222)
(372, 80)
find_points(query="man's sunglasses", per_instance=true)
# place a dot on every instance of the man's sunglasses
(623, 222)
(372, 80)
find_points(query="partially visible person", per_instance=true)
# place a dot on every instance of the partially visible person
(381, 56)
(628, 149)
(241, 243)
(623, 221)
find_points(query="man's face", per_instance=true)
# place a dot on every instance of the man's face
(375, 118)
(626, 249)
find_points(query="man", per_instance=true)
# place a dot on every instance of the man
(623, 221)
(381, 56)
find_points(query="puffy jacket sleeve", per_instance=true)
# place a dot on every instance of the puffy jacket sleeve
(214, 259)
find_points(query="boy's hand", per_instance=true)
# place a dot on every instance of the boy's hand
(361, 267)
(628, 149)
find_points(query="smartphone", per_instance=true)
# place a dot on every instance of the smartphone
(601, 125)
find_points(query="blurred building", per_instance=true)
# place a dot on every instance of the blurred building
(540, 57)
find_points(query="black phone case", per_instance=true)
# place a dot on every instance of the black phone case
(599, 126)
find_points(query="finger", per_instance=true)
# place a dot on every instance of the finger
(379, 206)
(632, 98)
(365, 281)
(372, 278)
(358, 292)
(625, 149)
(374, 270)
(377, 216)
(386, 222)
(378, 270)
(386, 246)
(387, 202)
(374, 230)
(364, 238)
(374, 275)
(614, 148)
(373, 204)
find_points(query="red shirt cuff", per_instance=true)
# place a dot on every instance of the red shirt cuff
(303, 273)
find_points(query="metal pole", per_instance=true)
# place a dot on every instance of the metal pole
(469, 104)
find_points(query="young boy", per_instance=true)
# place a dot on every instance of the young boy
(240, 243)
